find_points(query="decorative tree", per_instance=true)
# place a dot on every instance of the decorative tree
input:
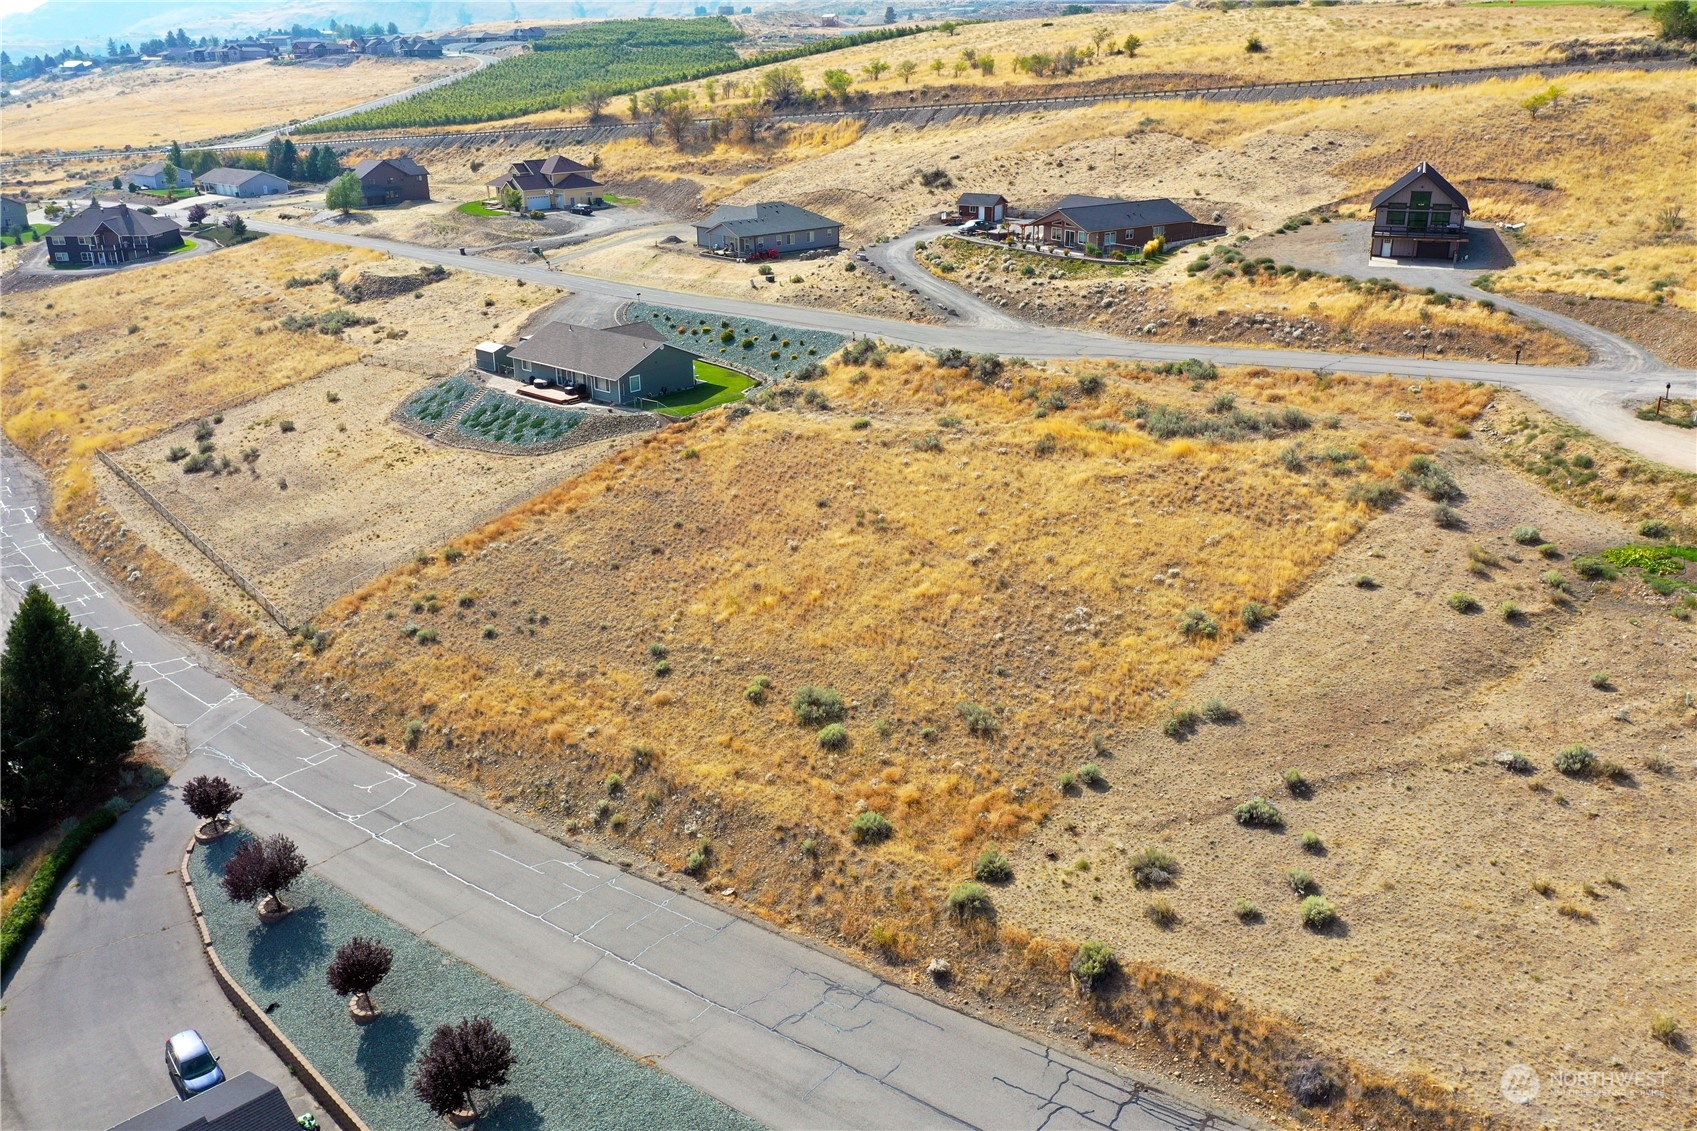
(238, 227)
(357, 968)
(210, 799)
(71, 712)
(197, 213)
(460, 1060)
(344, 193)
(512, 199)
(171, 181)
(264, 867)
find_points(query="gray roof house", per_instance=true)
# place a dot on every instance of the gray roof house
(985, 207)
(110, 234)
(617, 365)
(1108, 225)
(151, 176)
(1421, 216)
(245, 1103)
(241, 182)
(14, 215)
(770, 228)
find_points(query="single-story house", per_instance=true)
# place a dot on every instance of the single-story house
(616, 365)
(985, 207)
(417, 47)
(71, 68)
(150, 176)
(744, 229)
(244, 1103)
(245, 52)
(109, 234)
(241, 182)
(14, 215)
(1422, 216)
(549, 183)
(1083, 222)
(390, 180)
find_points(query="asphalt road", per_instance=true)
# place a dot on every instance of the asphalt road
(118, 966)
(783, 1031)
(1590, 395)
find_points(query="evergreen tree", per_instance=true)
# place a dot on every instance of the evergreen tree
(392, 29)
(274, 155)
(72, 711)
(288, 161)
(175, 156)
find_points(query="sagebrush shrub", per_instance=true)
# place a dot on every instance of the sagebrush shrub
(992, 867)
(1153, 867)
(816, 706)
(1093, 960)
(870, 827)
(969, 898)
(1527, 535)
(1258, 812)
(1317, 912)
(1576, 761)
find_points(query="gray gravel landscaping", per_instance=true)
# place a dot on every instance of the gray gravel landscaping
(750, 345)
(562, 1078)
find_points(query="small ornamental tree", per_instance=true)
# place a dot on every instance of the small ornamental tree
(460, 1060)
(344, 194)
(263, 867)
(357, 968)
(210, 799)
(197, 213)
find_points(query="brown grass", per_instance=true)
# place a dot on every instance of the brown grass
(77, 379)
(156, 104)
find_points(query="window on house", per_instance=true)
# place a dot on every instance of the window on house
(1419, 209)
(636, 382)
(1068, 239)
(1397, 217)
(1160, 229)
(1110, 239)
(62, 256)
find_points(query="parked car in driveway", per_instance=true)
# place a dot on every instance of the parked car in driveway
(191, 1065)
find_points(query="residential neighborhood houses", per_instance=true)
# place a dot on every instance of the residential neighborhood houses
(148, 176)
(391, 180)
(770, 228)
(548, 184)
(111, 234)
(1421, 216)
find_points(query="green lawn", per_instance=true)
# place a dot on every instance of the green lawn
(188, 245)
(614, 198)
(716, 386)
(478, 208)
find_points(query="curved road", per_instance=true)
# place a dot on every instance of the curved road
(1589, 395)
(782, 1030)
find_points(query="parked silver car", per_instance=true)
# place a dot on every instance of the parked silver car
(191, 1064)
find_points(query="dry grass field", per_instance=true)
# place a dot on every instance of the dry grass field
(112, 361)
(155, 105)
(1183, 44)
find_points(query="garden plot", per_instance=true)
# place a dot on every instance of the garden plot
(766, 348)
(435, 404)
(506, 421)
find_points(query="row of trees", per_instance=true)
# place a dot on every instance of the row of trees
(460, 1060)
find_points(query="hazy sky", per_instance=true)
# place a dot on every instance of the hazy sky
(13, 7)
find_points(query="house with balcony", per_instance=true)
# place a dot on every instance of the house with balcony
(1422, 216)
(392, 180)
(107, 235)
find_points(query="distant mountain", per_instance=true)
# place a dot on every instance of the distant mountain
(89, 23)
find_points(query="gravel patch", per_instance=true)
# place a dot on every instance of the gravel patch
(563, 1077)
(794, 347)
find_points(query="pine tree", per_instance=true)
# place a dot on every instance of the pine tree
(71, 712)
(288, 161)
(175, 156)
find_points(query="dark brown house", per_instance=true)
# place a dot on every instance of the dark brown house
(1085, 222)
(391, 180)
(111, 234)
(1422, 216)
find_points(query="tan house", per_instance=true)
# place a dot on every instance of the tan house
(549, 183)
(1422, 216)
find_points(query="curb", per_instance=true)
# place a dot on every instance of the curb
(316, 1085)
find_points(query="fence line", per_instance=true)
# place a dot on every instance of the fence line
(197, 542)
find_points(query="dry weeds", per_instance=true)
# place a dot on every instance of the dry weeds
(156, 104)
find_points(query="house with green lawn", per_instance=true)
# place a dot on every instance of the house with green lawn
(617, 365)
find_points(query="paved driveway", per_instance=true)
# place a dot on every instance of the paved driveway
(118, 967)
(785, 1032)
